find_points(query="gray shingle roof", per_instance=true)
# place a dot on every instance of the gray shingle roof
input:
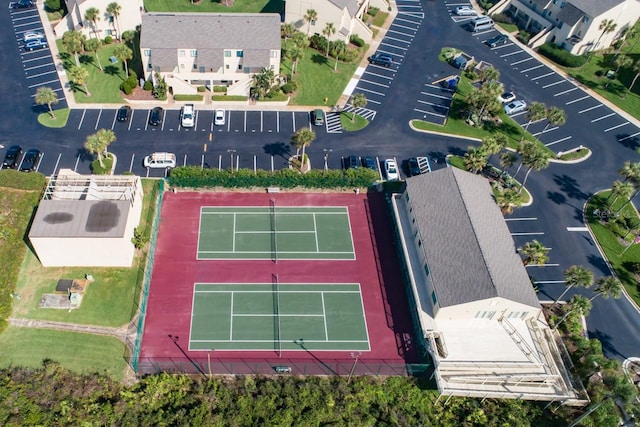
(469, 250)
(595, 8)
(351, 5)
(210, 31)
(570, 14)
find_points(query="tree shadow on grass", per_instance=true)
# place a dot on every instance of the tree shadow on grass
(319, 59)
(75, 87)
(112, 70)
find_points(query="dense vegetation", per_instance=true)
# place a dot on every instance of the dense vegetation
(53, 396)
(561, 56)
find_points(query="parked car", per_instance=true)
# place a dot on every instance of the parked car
(22, 4)
(497, 40)
(160, 161)
(351, 162)
(30, 36)
(155, 118)
(507, 97)
(318, 117)
(31, 160)
(35, 45)
(418, 166)
(383, 59)
(391, 170)
(12, 157)
(465, 11)
(188, 116)
(515, 107)
(123, 113)
(219, 118)
(369, 163)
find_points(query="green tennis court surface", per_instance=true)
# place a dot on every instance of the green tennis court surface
(278, 317)
(270, 232)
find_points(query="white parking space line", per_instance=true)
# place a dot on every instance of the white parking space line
(42, 83)
(395, 39)
(508, 54)
(405, 20)
(590, 108)
(542, 76)
(545, 131)
(603, 117)
(393, 46)
(373, 101)
(195, 122)
(278, 121)
(435, 96)
(481, 33)
(429, 112)
(81, 119)
(521, 219)
(131, 119)
(576, 100)
(532, 68)
(146, 123)
(558, 141)
(532, 233)
(374, 83)
(113, 123)
(164, 116)
(98, 119)
(402, 26)
(431, 103)
(518, 114)
(542, 265)
(616, 127)
(401, 33)
(42, 74)
(552, 84)
(566, 91)
(370, 91)
(24, 61)
(377, 75)
(521, 61)
(630, 136)
(577, 229)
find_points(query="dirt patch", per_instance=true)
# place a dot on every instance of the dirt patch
(139, 94)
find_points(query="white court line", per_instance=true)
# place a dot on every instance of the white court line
(577, 100)
(630, 136)
(231, 319)
(521, 219)
(543, 76)
(590, 108)
(558, 141)
(602, 118)
(532, 68)
(324, 316)
(566, 91)
(233, 246)
(315, 231)
(521, 61)
(552, 84)
(616, 127)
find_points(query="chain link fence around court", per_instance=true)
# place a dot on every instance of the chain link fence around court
(210, 365)
(146, 281)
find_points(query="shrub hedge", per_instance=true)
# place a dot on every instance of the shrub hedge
(188, 97)
(196, 177)
(356, 40)
(561, 56)
(148, 85)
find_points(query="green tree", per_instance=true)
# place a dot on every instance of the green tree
(535, 253)
(636, 69)
(535, 111)
(621, 189)
(537, 158)
(123, 53)
(508, 199)
(98, 143)
(475, 159)
(608, 287)
(328, 31)
(630, 172)
(295, 53)
(488, 74)
(79, 75)
(301, 140)
(508, 159)
(114, 10)
(93, 45)
(310, 17)
(46, 96)
(358, 100)
(484, 99)
(338, 48)
(555, 117)
(287, 30)
(607, 26)
(622, 61)
(494, 144)
(93, 15)
(160, 88)
(575, 276)
(263, 82)
(73, 42)
(129, 38)
(577, 304)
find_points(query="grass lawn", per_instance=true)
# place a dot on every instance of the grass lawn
(317, 80)
(104, 86)
(81, 353)
(110, 300)
(575, 155)
(510, 28)
(245, 6)
(59, 122)
(611, 243)
(359, 123)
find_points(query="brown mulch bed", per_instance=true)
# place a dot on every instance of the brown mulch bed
(140, 94)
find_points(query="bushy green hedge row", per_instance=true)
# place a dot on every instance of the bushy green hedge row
(188, 97)
(10, 178)
(561, 56)
(192, 176)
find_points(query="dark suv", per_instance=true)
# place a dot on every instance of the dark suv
(12, 157)
(155, 118)
(383, 59)
(31, 160)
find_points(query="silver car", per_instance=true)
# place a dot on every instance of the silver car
(465, 11)
(515, 107)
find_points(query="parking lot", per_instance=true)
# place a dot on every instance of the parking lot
(39, 66)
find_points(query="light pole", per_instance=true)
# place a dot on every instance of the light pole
(326, 157)
(231, 153)
(355, 356)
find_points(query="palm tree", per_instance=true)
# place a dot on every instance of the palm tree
(123, 53)
(621, 189)
(310, 17)
(622, 61)
(577, 303)
(79, 75)
(494, 144)
(302, 139)
(263, 81)
(339, 47)
(287, 30)
(575, 276)
(625, 35)
(535, 253)
(488, 74)
(328, 31)
(608, 287)
(508, 159)
(555, 117)
(93, 15)
(630, 172)
(46, 96)
(475, 159)
(508, 199)
(537, 159)
(636, 69)
(114, 10)
(525, 149)
(300, 40)
(607, 26)
(535, 111)
(99, 142)
(358, 100)
(73, 41)
(93, 45)
(296, 53)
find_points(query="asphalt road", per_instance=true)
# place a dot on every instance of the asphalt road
(397, 95)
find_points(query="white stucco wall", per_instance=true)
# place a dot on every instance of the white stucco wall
(295, 10)
(79, 252)
(491, 308)
(129, 19)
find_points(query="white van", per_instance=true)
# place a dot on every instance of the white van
(160, 161)
(188, 116)
(481, 23)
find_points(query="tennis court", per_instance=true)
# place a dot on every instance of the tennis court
(278, 317)
(275, 232)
